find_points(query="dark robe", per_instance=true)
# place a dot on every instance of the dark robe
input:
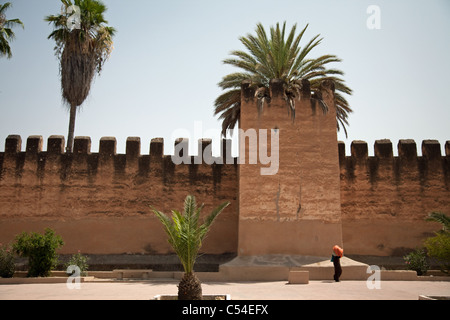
(337, 268)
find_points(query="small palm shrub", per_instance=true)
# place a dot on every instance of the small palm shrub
(185, 235)
(40, 249)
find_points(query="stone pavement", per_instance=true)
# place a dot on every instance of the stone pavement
(277, 290)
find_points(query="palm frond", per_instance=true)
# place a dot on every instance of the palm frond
(234, 80)
(230, 118)
(5, 49)
(204, 228)
(440, 218)
(4, 7)
(13, 22)
(6, 32)
(227, 100)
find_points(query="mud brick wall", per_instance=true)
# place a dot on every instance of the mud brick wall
(385, 199)
(319, 196)
(99, 202)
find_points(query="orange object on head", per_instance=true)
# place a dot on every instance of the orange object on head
(338, 251)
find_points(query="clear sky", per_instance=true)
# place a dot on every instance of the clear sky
(163, 73)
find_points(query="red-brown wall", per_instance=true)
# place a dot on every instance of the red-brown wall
(385, 199)
(100, 202)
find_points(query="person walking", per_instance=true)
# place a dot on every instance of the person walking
(336, 256)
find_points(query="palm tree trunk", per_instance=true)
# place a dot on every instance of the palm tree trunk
(73, 113)
(190, 288)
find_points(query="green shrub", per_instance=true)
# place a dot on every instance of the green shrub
(438, 248)
(417, 261)
(7, 266)
(40, 251)
(80, 261)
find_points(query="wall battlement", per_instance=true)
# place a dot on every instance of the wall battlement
(385, 199)
(102, 199)
(431, 162)
(14, 161)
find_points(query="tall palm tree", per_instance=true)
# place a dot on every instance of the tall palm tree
(276, 57)
(83, 44)
(185, 237)
(6, 33)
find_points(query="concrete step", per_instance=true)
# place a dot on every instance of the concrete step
(324, 270)
(277, 268)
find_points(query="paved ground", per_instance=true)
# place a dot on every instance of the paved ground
(145, 290)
